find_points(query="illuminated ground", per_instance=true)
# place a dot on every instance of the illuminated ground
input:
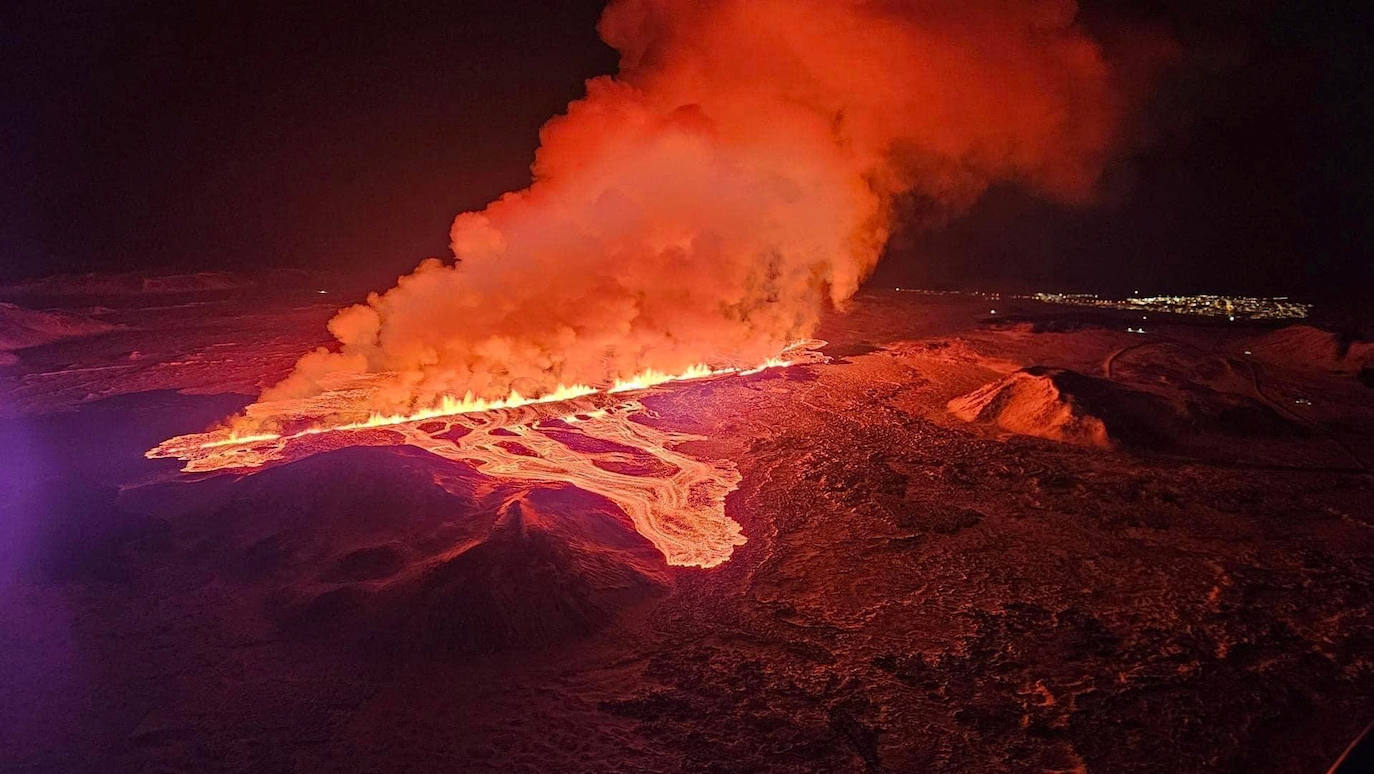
(915, 593)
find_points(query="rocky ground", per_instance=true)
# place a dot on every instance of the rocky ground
(1187, 587)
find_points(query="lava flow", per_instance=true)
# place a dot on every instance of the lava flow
(592, 439)
(675, 501)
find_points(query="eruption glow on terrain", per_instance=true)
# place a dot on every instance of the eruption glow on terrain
(703, 205)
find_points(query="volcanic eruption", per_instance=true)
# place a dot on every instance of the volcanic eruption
(738, 173)
(693, 455)
(695, 213)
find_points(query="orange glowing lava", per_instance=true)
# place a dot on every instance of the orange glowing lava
(593, 439)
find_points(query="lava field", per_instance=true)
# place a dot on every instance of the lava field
(954, 541)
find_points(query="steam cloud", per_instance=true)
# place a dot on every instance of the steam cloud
(735, 176)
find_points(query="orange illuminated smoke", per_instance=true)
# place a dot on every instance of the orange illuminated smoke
(737, 176)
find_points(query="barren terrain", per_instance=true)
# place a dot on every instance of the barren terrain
(1023, 541)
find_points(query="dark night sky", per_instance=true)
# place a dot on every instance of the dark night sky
(184, 136)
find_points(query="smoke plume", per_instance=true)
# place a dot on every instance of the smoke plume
(733, 178)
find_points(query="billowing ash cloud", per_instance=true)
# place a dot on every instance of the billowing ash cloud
(735, 176)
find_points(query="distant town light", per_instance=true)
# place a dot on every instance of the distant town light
(1205, 305)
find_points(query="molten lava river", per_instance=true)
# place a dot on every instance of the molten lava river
(600, 441)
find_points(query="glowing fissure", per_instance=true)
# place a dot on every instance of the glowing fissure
(451, 406)
(675, 501)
